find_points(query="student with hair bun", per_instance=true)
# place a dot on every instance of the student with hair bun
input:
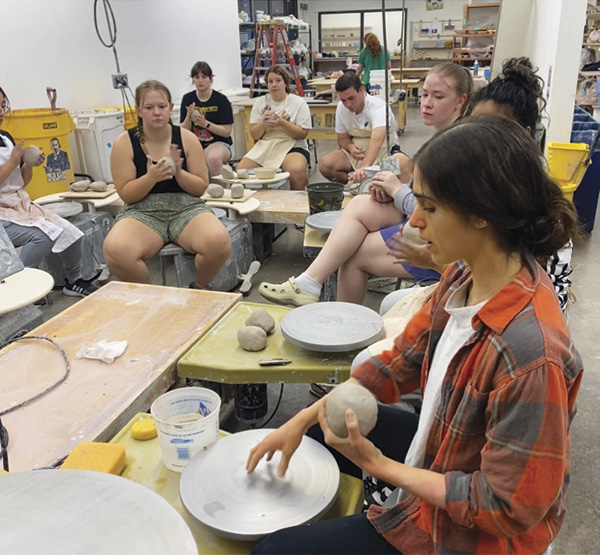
(162, 199)
(486, 467)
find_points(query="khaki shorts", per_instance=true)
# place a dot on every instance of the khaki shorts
(165, 213)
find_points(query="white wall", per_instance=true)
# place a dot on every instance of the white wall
(55, 43)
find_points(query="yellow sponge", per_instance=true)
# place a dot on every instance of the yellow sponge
(144, 429)
(101, 457)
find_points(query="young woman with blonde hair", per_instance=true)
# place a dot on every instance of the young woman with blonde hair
(162, 201)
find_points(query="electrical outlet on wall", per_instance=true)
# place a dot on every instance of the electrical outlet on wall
(120, 81)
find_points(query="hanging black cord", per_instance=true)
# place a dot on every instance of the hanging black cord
(274, 410)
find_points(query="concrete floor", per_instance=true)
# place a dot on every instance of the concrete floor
(581, 531)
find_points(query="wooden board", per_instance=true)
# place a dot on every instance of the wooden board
(282, 207)
(255, 180)
(89, 193)
(227, 196)
(160, 325)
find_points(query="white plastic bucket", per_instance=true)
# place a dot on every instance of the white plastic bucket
(182, 431)
(95, 134)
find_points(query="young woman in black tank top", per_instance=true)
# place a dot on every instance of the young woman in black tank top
(162, 205)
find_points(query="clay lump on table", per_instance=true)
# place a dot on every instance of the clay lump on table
(80, 186)
(237, 190)
(252, 338)
(356, 398)
(242, 174)
(261, 318)
(215, 190)
(227, 172)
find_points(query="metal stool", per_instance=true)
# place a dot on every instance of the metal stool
(175, 251)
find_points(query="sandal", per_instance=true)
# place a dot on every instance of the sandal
(286, 293)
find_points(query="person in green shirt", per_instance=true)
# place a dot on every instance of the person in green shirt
(372, 57)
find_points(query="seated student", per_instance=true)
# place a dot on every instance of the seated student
(279, 124)
(161, 206)
(446, 94)
(486, 467)
(209, 115)
(360, 127)
(31, 226)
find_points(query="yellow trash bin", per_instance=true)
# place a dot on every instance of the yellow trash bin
(49, 130)
(129, 111)
(566, 165)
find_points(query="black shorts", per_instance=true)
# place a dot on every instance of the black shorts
(302, 151)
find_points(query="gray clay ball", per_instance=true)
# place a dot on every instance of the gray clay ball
(261, 318)
(357, 398)
(31, 155)
(237, 190)
(170, 164)
(227, 172)
(242, 174)
(80, 186)
(252, 338)
(98, 186)
(215, 191)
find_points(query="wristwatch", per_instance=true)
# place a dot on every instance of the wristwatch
(208, 125)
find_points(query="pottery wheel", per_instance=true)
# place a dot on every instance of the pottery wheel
(219, 213)
(65, 209)
(323, 221)
(332, 327)
(78, 511)
(216, 490)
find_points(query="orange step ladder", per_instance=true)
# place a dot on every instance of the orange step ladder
(276, 35)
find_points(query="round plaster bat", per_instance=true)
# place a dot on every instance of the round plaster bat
(412, 234)
(227, 172)
(242, 174)
(252, 338)
(31, 155)
(98, 186)
(261, 318)
(215, 190)
(354, 397)
(237, 190)
(170, 163)
(80, 186)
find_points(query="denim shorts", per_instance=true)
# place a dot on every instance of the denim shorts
(165, 213)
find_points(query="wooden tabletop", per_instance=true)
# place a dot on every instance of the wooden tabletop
(282, 207)
(98, 399)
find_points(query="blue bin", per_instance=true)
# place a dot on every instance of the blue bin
(585, 198)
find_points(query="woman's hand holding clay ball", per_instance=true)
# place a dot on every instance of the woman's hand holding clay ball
(175, 154)
(158, 172)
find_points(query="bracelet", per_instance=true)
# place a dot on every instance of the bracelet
(208, 125)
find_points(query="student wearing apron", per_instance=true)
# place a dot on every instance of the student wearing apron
(279, 124)
(162, 204)
(355, 241)
(360, 126)
(30, 226)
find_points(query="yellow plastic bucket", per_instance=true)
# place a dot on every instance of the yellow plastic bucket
(566, 165)
(49, 130)
(129, 111)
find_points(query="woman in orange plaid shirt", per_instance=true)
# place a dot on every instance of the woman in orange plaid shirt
(486, 467)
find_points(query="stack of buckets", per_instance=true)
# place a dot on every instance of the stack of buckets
(567, 165)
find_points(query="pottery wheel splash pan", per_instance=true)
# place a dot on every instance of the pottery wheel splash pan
(216, 490)
(323, 221)
(332, 327)
(56, 512)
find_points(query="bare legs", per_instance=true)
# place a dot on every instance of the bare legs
(128, 244)
(361, 216)
(335, 166)
(131, 242)
(371, 258)
(216, 155)
(206, 236)
(294, 163)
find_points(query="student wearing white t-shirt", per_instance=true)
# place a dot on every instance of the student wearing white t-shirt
(279, 124)
(360, 127)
